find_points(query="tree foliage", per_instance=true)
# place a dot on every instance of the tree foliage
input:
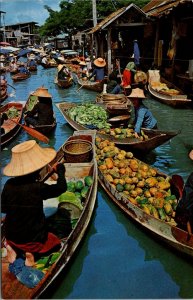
(75, 15)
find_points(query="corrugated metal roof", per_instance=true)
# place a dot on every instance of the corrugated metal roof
(156, 8)
(112, 17)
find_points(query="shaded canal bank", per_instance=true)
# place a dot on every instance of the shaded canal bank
(117, 259)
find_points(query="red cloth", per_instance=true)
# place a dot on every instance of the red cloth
(126, 79)
(36, 247)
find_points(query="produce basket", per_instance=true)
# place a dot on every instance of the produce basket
(77, 151)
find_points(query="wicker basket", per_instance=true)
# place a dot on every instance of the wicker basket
(77, 151)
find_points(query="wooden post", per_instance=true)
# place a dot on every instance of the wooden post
(109, 51)
(156, 44)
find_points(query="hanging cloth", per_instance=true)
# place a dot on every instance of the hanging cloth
(136, 53)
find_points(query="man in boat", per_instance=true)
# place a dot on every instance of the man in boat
(99, 70)
(143, 116)
(31, 61)
(83, 70)
(22, 201)
(184, 210)
(42, 113)
(22, 69)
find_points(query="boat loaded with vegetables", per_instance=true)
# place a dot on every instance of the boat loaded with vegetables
(77, 203)
(89, 115)
(146, 195)
(14, 112)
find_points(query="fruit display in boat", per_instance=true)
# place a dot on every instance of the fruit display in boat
(138, 182)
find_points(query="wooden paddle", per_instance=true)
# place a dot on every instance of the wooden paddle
(11, 86)
(36, 134)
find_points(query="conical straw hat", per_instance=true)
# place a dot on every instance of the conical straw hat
(27, 158)
(137, 93)
(60, 67)
(42, 92)
(100, 62)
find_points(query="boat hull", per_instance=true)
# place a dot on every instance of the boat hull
(155, 137)
(173, 236)
(11, 287)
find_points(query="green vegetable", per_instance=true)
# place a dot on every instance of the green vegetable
(119, 187)
(88, 180)
(12, 112)
(71, 186)
(84, 191)
(79, 185)
(161, 213)
(71, 198)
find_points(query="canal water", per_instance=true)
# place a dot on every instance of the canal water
(117, 259)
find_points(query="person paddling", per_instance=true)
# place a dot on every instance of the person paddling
(22, 201)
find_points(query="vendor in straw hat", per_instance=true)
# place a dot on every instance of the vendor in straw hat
(184, 210)
(99, 70)
(22, 202)
(42, 113)
(143, 116)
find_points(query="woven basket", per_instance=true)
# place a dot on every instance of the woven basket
(77, 151)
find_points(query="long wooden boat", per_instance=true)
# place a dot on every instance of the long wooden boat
(45, 129)
(63, 82)
(49, 65)
(20, 76)
(11, 129)
(11, 288)
(155, 137)
(172, 96)
(91, 85)
(158, 225)
(114, 104)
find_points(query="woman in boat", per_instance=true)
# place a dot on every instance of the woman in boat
(128, 74)
(184, 210)
(22, 201)
(42, 113)
(83, 70)
(143, 116)
(114, 84)
(99, 70)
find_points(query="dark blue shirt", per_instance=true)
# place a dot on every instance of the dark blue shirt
(99, 73)
(144, 118)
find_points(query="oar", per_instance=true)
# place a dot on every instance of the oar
(36, 134)
(80, 88)
(11, 86)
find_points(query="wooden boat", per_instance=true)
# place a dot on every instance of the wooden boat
(155, 137)
(173, 236)
(14, 71)
(20, 76)
(114, 104)
(45, 129)
(167, 93)
(91, 85)
(11, 288)
(11, 128)
(64, 82)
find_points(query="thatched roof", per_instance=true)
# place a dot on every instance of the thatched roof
(157, 8)
(115, 15)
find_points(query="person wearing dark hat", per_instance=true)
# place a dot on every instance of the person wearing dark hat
(184, 210)
(143, 116)
(128, 74)
(42, 113)
(22, 201)
(99, 70)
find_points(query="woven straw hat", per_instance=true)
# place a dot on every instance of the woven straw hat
(191, 154)
(100, 62)
(137, 93)
(27, 158)
(42, 92)
(60, 67)
(82, 63)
